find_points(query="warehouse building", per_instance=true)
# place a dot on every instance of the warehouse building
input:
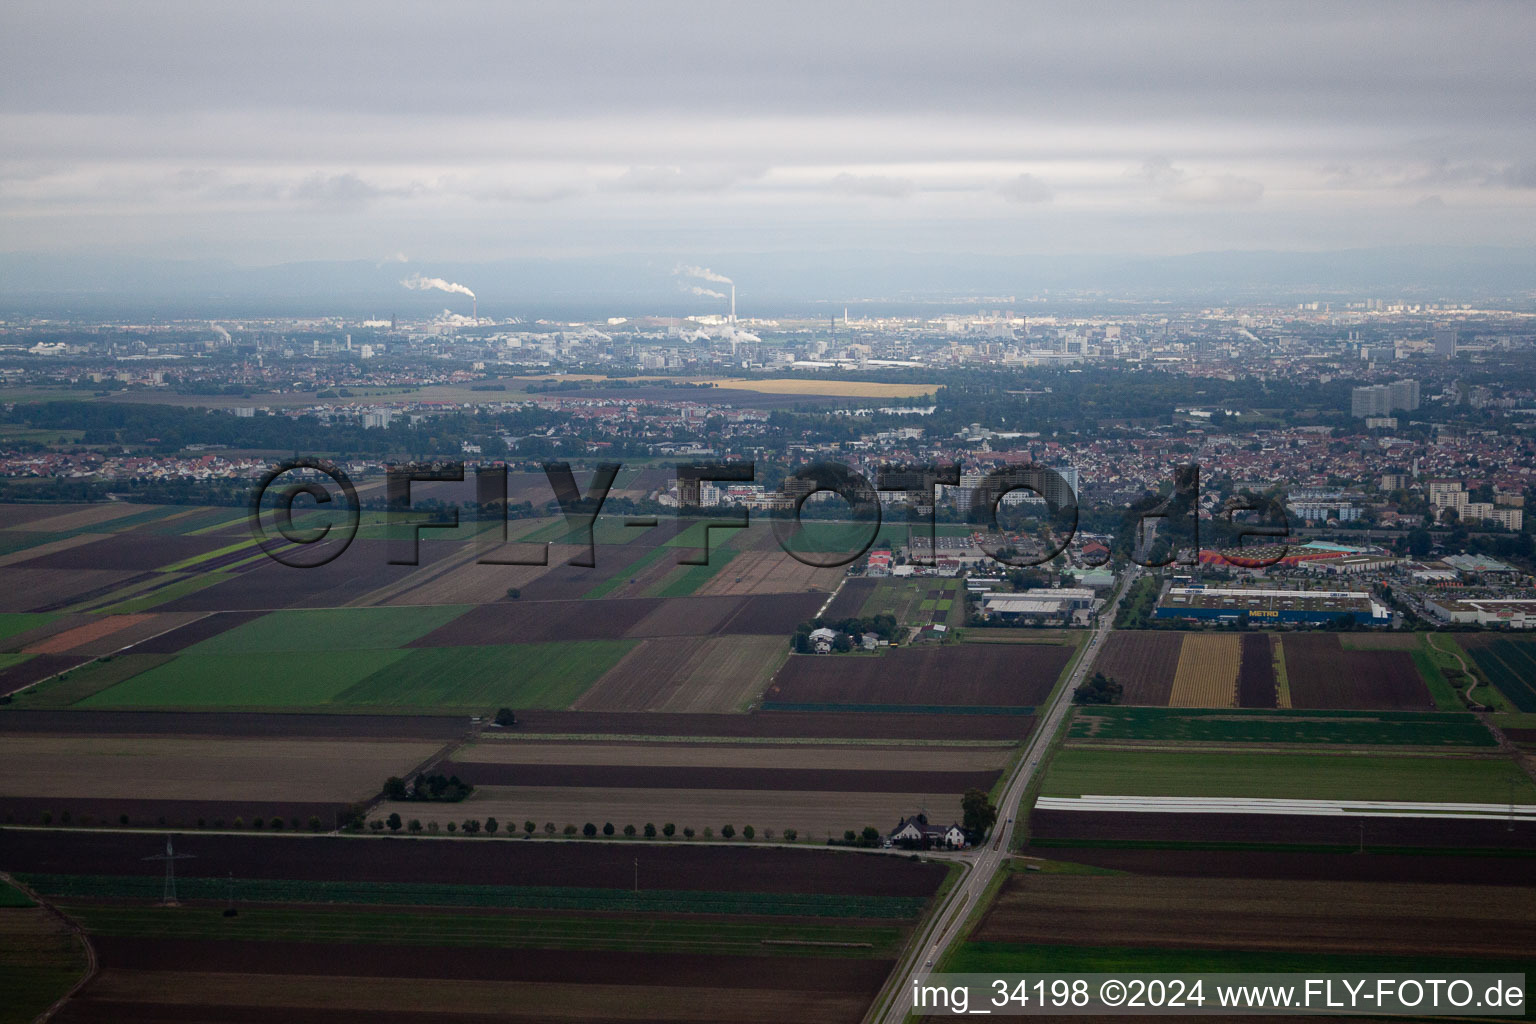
(1267, 605)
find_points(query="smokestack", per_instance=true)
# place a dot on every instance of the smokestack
(474, 305)
(733, 303)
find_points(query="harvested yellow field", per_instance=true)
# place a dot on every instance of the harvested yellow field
(813, 386)
(1207, 672)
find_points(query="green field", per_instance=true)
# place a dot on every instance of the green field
(1078, 772)
(629, 572)
(1341, 728)
(685, 579)
(39, 962)
(547, 676)
(608, 530)
(907, 600)
(497, 931)
(251, 680)
(77, 684)
(11, 897)
(436, 894)
(331, 629)
(125, 603)
(1509, 665)
(12, 623)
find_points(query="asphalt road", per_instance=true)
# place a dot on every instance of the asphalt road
(946, 924)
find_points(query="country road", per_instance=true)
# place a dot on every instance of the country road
(948, 920)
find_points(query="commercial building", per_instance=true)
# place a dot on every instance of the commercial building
(1511, 613)
(1267, 605)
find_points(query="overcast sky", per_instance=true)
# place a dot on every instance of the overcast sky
(263, 133)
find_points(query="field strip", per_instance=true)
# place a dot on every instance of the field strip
(1273, 805)
(890, 756)
(1207, 672)
(195, 560)
(423, 575)
(748, 741)
(39, 550)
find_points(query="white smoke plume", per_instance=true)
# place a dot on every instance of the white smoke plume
(703, 273)
(221, 332)
(706, 292)
(420, 283)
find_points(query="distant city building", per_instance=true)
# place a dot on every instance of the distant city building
(1446, 340)
(1384, 399)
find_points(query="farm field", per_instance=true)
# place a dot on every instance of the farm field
(768, 572)
(863, 757)
(1066, 917)
(901, 724)
(1206, 676)
(718, 674)
(1257, 686)
(962, 675)
(1331, 838)
(1322, 674)
(261, 680)
(547, 928)
(1385, 918)
(548, 675)
(202, 769)
(1342, 729)
(1466, 779)
(1143, 662)
(1510, 665)
(39, 959)
(329, 629)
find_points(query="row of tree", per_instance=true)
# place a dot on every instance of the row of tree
(649, 830)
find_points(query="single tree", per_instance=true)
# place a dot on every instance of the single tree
(529, 828)
(453, 826)
(393, 821)
(669, 830)
(979, 812)
(607, 828)
(589, 830)
(506, 717)
(728, 831)
(748, 832)
(415, 825)
(790, 835)
(650, 831)
(688, 832)
(491, 825)
(629, 830)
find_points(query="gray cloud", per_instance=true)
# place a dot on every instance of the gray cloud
(531, 128)
(1026, 188)
(685, 179)
(881, 186)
